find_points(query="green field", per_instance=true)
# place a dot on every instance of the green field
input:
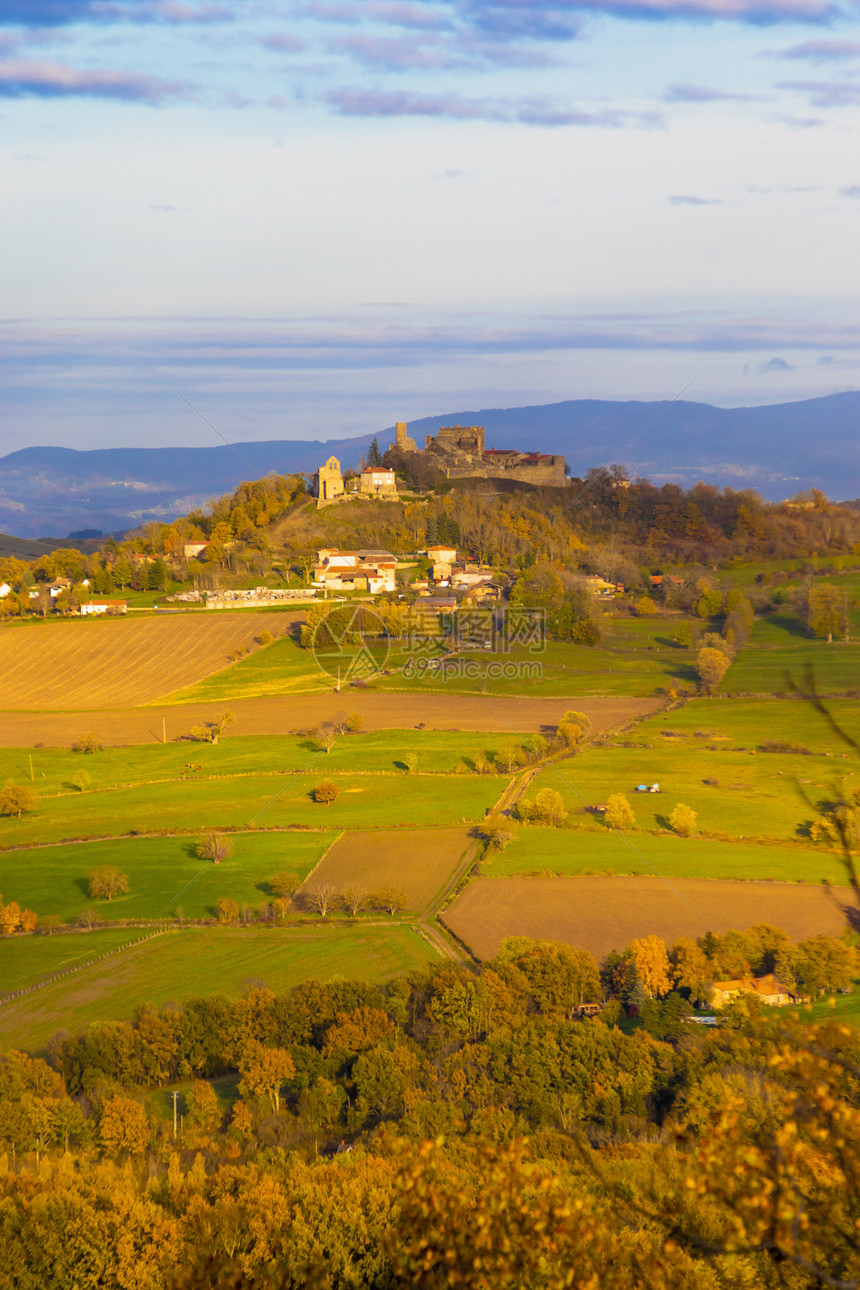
(750, 723)
(381, 750)
(27, 959)
(165, 874)
(569, 851)
(365, 801)
(780, 647)
(280, 668)
(198, 961)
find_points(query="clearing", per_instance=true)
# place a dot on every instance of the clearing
(201, 961)
(602, 914)
(104, 663)
(419, 861)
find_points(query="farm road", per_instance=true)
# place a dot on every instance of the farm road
(380, 710)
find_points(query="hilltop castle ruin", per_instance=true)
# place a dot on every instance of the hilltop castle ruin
(462, 455)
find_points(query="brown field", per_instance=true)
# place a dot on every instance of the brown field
(419, 861)
(112, 662)
(602, 914)
(281, 713)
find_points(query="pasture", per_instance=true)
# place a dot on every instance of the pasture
(280, 668)
(419, 861)
(602, 914)
(538, 850)
(201, 961)
(93, 663)
(279, 801)
(780, 648)
(165, 875)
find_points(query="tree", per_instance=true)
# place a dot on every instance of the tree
(107, 882)
(284, 884)
(10, 918)
(82, 780)
(573, 727)
(691, 968)
(354, 723)
(228, 910)
(683, 820)
(410, 761)
(549, 807)
(391, 899)
(354, 897)
(320, 896)
(266, 1071)
(16, 799)
(88, 743)
(374, 456)
(498, 831)
(652, 964)
(325, 792)
(619, 813)
(826, 611)
(215, 847)
(123, 1126)
(712, 665)
(327, 739)
(211, 731)
(88, 918)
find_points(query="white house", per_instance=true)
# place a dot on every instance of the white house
(4, 590)
(104, 607)
(378, 479)
(372, 571)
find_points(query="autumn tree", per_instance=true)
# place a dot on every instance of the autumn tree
(683, 820)
(652, 964)
(320, 896)
(498, 831)
(265, 1072)
(123, 1126)
(619, 813)
(354, 897)
(106, 882)
(391, 899)
(712, 665)
(88, 743)
(284, 884)
(16, 799)
(227, 909)
(326, 792)
(826, 611)
(573, 727)
(10, 918)
(215, 847)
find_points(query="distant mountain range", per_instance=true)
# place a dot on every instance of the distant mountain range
(779, 449)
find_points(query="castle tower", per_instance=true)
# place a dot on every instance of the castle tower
(328, 481)
(402, 440)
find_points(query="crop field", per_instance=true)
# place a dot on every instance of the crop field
(165, 875)
(92, 664)
(504, 715)
(280, 668)
(418, 861)
(538, 850)
(602, 914)
(438, 752)
(199, 961)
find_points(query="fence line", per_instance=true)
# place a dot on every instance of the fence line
(80, 967)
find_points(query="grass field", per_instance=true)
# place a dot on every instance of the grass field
(419, 862)
(601, 914)
(368, 801)
(165, 874)
(752, 722)
(24, 960)
(92, 663)
(199, 961)
(780, 647)
(569, 851)
(381, 750)
(281, 668)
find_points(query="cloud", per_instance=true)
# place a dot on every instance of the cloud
(687, 199)
(401, 53)
(702, 94)
(399, 103)
(826, 93)
(53, 80)
(802, 122)
(170, 11)
(406, 15)
(853, 190)
(45, 13)
(282, 44)
(821, 51)
(59, 13)
(775, 365)
(559, 20)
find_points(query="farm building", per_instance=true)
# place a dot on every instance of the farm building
(104, 607)
(372, 571)
(767, 988)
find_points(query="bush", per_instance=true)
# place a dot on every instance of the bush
(683, 820)
(88, 744)
(265, 638)
(284, 884)
(326, 792)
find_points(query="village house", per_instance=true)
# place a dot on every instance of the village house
(768, 988)
(372, 571)
(192, 550)
(378, 481)
(5, 588)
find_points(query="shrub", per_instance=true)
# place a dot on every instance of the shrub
(88, 744)
(265, 638)
(683, 820)
(354, 722)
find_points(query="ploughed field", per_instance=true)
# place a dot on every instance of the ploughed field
(601, 914)
(122, 662)
(418, 861)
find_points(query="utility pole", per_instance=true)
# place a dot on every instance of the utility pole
(164, 730)
(175, 1095)
(32, 776)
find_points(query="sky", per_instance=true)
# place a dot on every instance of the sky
(311, 219)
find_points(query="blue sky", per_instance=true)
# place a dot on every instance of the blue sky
(318, 218)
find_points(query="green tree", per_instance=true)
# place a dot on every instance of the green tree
(826, 611)
(88, 743)
(82, 780)
(619, 813)
(712, 665)
(284, 883)
(18, 798)
(549, 807)
(683, 820)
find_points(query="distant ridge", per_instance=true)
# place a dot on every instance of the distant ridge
(779, 449)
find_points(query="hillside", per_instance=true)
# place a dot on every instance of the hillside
(778, 449)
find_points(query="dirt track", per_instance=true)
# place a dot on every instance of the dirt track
(279, 715)
(602, 914)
